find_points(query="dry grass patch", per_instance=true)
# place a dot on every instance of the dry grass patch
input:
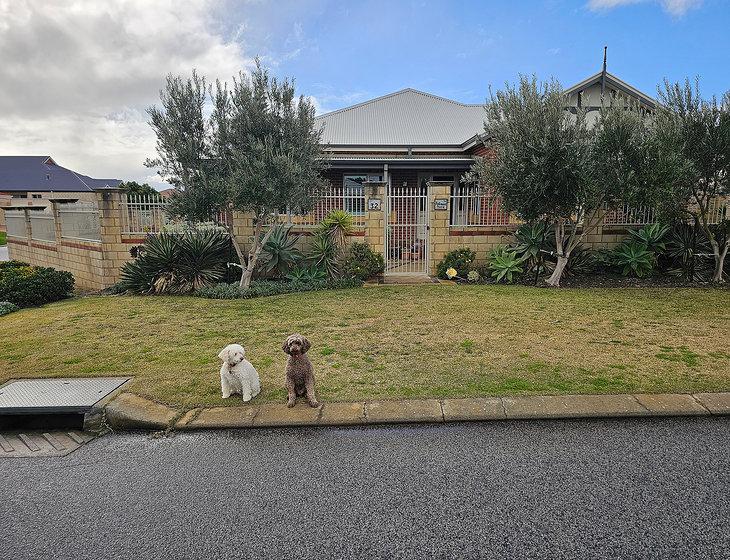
(389, 342)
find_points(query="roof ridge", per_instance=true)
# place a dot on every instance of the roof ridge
(393, 94)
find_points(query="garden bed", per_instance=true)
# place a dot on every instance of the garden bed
(389, 342)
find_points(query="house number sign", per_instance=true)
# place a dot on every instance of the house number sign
(374, 204)
(441, 204)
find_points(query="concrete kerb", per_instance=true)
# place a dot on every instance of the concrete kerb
(132, 412)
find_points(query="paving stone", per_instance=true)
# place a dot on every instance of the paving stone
(279, 415)
(457, 410)
(186, 418)
(132, 412)
(222, 417)
(379, 412)
(716, 403)
(573, 406)
(671, 405)
(342, 414)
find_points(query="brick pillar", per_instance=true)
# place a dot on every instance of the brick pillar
(113, 251)
(56, 223)
(438, 221)
(243, 228)
(28, 231)
(375, 217)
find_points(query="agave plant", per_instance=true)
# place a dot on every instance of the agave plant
(634, 259)
(652, 236)
(306, 274)
(173, 263)
(582, 261)
(689, 253)
(533, 240)
(280, 252)
(504, 264)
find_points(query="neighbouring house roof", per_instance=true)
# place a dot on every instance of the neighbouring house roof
(615, 83)
(42, 174)
(404, 118)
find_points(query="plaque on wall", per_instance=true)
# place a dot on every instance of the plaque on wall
(441, 204)
(374, 204)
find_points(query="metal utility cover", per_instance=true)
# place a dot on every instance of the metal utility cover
(46, 396)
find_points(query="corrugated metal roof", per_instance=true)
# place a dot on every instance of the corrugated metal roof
(42, 174)
(404, 118)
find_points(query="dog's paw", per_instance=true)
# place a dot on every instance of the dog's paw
(225, 396)
(315, 404)
(290, 404)
(247, 398)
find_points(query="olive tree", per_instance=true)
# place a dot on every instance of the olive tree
(549, 164)
(694, 133)
(257, 151)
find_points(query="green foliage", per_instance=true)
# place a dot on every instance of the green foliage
(26, 286)
(280, 252)
(323, 254)
(634, 259)
(337, 225)
(7, 307)
(687, 252)
(473, 276)
(306, 274)
(262, 288)
(177, 264)
(134, 188)
(459, 259)
(504, 264)
(362, 262)
(582, 261)
(652, 236)
(534, 242)
(3, 238)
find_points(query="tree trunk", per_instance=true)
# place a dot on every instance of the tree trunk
(253, 254)
(554, 279)
(719, 261)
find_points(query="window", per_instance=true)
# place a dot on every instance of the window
(37, 196)
(353, 194)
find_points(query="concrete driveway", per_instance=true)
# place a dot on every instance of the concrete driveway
(4, 253)
(630, 488)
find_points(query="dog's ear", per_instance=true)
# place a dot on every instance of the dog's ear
(285, 346)
(306, 345)
(225, 353)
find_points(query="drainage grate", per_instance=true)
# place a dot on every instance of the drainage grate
(53, 396)
(41, 444)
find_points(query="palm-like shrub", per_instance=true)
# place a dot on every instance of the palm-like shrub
(337, 225)
(533, 242)
(323, 254)
(177, 264)
(280, 252)
(634, 259)
(504, 264)
(689, 253)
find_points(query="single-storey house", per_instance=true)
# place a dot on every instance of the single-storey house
(416, 146)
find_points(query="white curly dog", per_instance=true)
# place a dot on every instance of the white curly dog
(237, 374)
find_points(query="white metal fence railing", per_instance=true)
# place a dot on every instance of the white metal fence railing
(15, 223)
(473, 206)
(42, 226)
(349, 199)
(80, 220)
(144, 214)
(627, 215)
(719, 210)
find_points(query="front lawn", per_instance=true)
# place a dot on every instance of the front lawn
(3, 238)
(389, 342)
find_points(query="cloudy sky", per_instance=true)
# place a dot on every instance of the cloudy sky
(77, 76)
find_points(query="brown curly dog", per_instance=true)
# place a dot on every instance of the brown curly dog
(299, 371)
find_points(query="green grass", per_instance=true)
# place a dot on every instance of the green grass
(389, 342)
(3, 238)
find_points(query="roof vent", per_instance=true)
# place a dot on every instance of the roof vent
(48, 176)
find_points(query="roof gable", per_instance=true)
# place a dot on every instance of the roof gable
(615, 83)
(43, 174)
(405, 118)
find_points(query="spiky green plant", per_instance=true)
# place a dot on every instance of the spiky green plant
(634, 259)
(323, 254)
(504, 264)
(280, 252)
(653, 236)
(337, 225)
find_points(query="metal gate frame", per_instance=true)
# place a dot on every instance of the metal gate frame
(414, 236)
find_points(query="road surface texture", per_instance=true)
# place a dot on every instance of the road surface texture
(633, 488)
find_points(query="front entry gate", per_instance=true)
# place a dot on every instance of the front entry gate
(406, 230)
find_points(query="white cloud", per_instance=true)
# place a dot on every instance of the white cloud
(78, 75)
(676, 8)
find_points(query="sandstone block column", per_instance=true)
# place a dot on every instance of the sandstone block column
(375, 215)
(439, 201)
(113, 252)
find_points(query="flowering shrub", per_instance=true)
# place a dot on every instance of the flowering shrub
(459, 259)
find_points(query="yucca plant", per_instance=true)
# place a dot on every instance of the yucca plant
(689, 253)
(280, 252)
(178, 264)
(504, 264)
(337, 225)
(323, 254)
(652, 236)
(634, 259)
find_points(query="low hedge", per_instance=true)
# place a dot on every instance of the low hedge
(7, 307)
(27, 286)
(272, 288)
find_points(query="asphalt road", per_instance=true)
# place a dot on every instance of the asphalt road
(639, 488)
